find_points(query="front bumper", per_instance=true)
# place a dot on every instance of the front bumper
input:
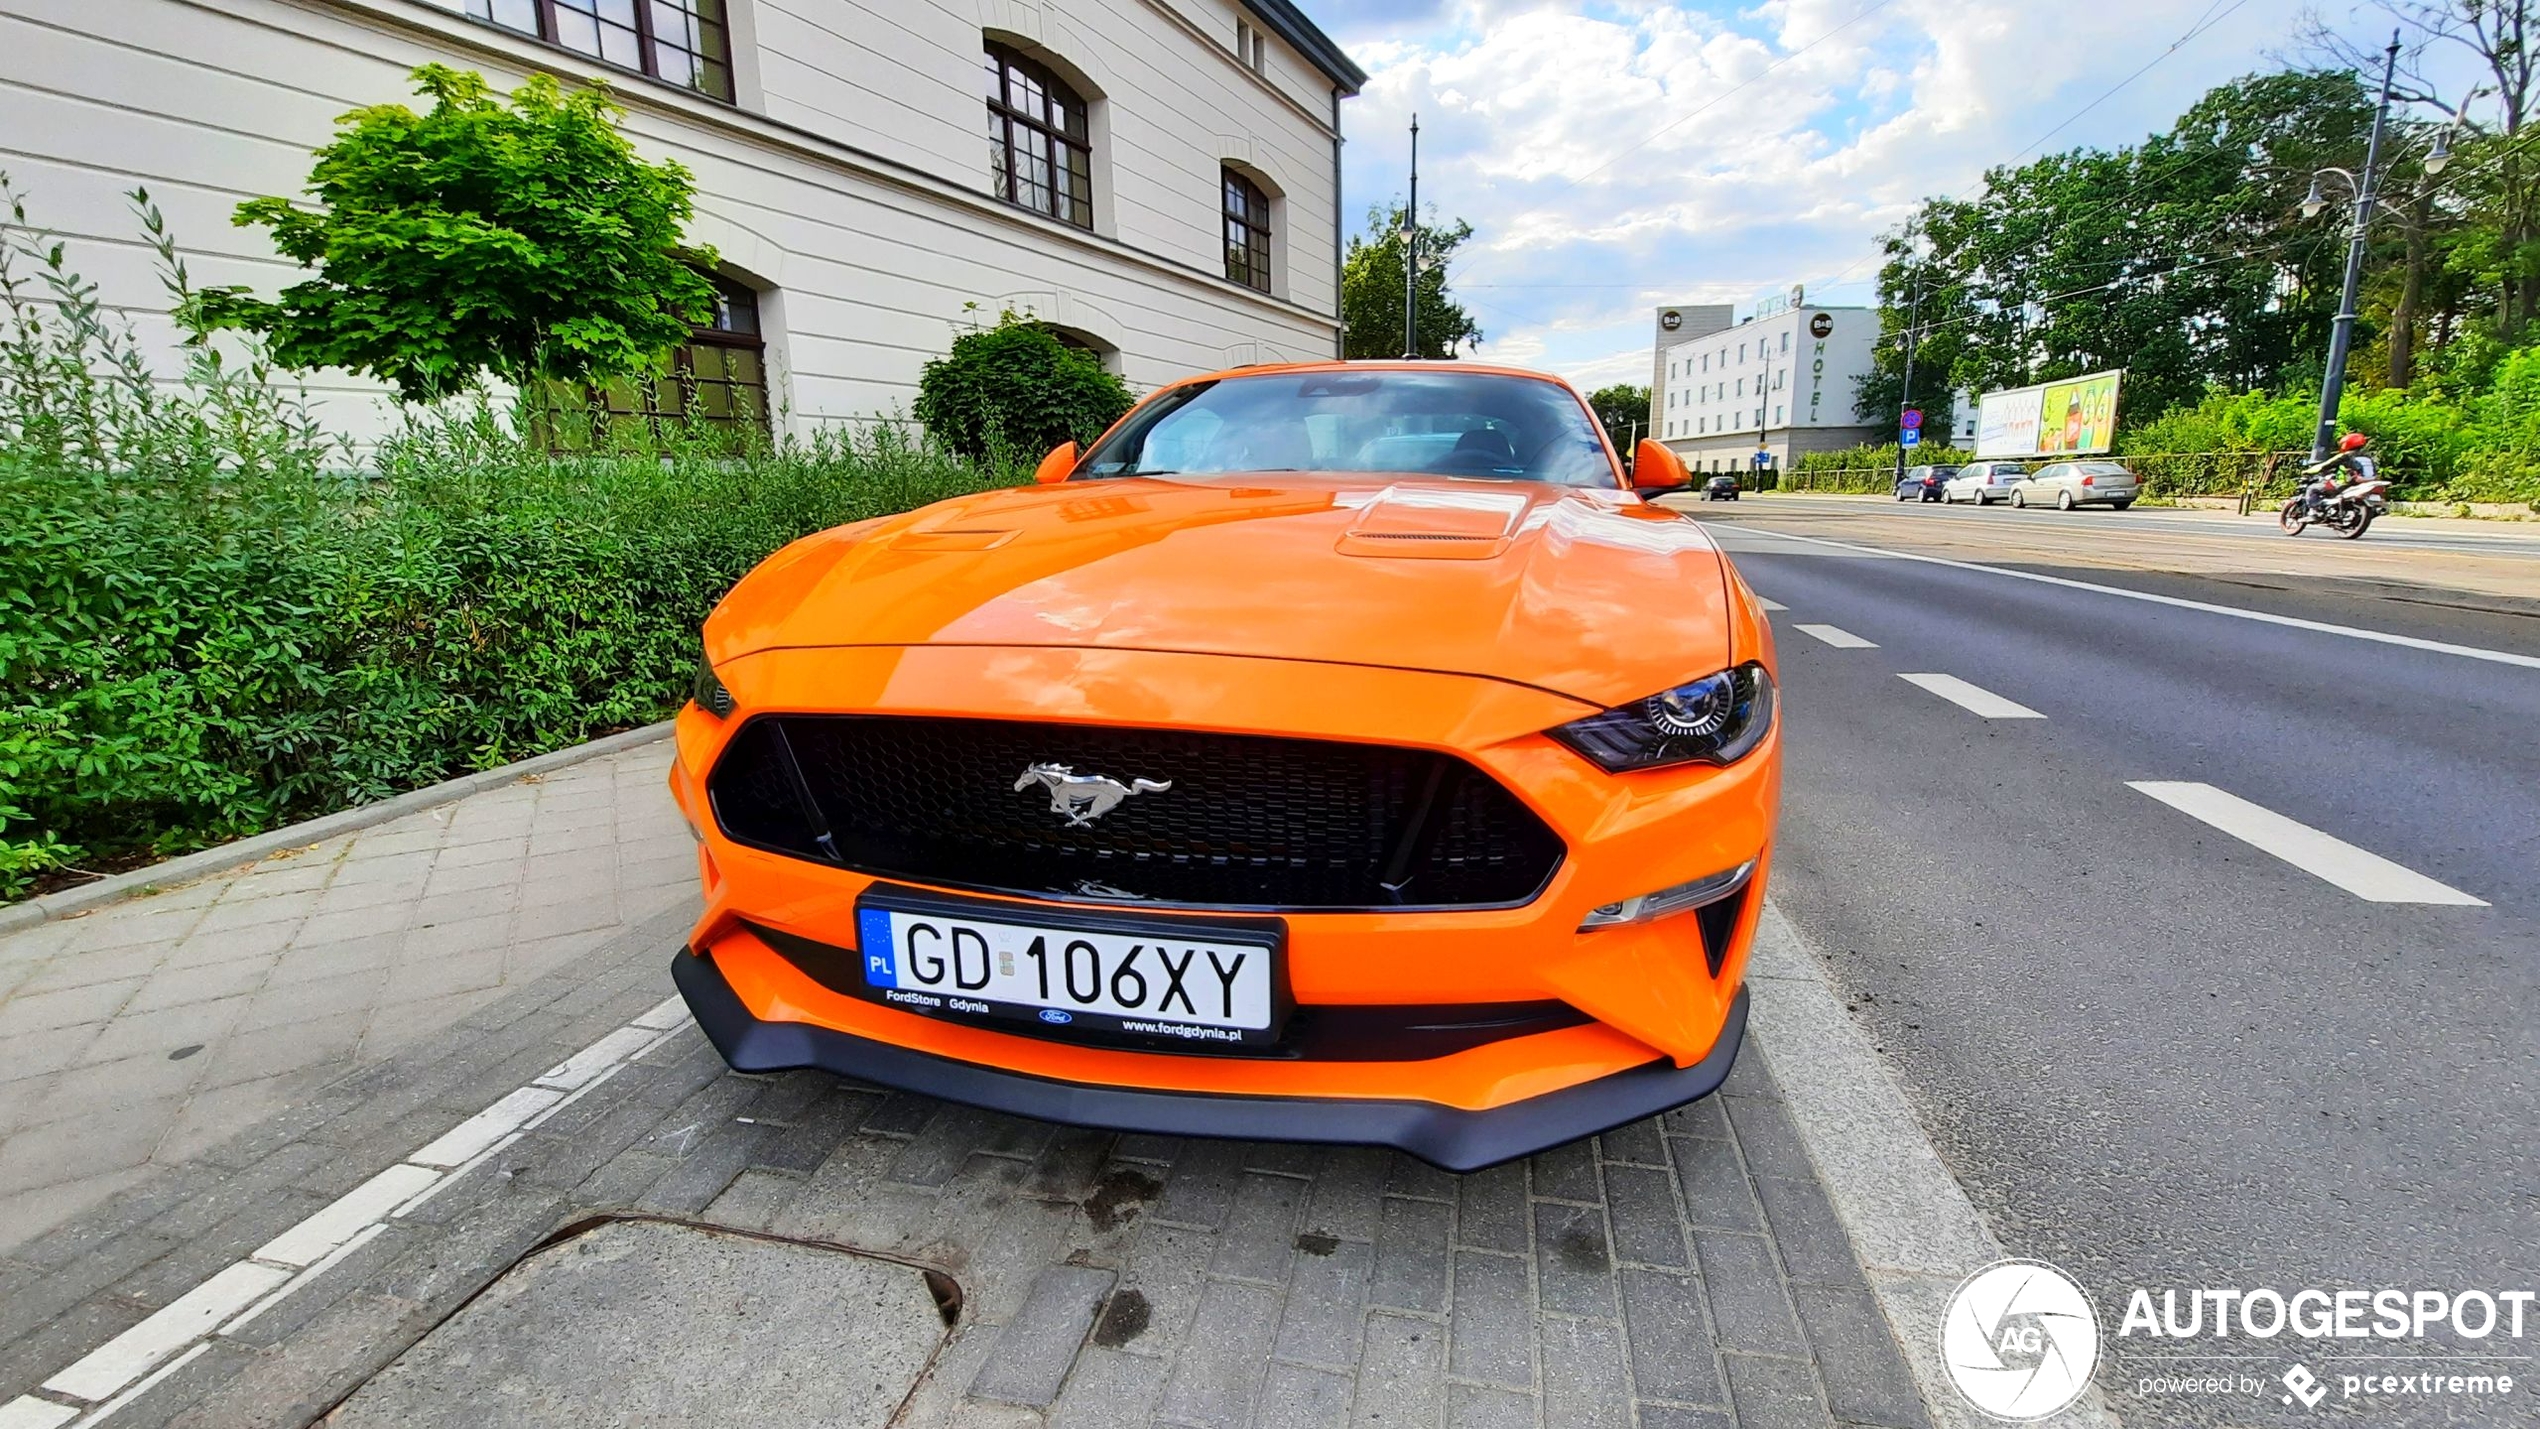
(1448, 1137)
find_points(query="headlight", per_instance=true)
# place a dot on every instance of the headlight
(1718, 719)
(709, 692)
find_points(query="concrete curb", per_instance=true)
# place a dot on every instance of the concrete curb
(191, 866)
(1915, 1231)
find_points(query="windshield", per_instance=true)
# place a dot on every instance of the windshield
(1493, 426)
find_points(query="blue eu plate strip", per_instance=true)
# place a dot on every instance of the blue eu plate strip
(873, 935)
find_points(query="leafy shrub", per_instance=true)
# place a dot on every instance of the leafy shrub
(1015, 388)
(208, 626)
(525, 240)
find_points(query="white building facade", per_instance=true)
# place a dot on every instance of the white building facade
(1782, 383)
(1158, 179)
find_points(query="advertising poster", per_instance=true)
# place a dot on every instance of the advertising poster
(2078, 417)
(2075, 417)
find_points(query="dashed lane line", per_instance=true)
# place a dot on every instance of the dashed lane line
(2439, 647)
(93, 1387)
(1836, 636)
(2367, 875)
(1770, 604)
(1974, 698)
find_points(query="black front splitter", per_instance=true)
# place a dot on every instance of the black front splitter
(1443, 1136)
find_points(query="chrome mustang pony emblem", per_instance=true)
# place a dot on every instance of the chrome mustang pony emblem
(1084, 798)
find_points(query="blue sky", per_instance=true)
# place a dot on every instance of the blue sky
(1613, 157)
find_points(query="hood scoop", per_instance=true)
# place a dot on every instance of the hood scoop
(953, 539)
(1429, 524)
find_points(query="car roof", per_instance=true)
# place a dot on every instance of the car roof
(1376, 364)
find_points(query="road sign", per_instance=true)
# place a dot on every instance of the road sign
(1912, 421)
(1910, 437)
(1763, 460)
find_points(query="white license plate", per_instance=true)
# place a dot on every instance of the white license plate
(1128, 978)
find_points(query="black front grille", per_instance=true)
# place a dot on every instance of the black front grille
(1249, 822)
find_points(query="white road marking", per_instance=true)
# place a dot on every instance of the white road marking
(1972, 697)
(28, 1412)
(582, 1066)
(486, 1127)
(2368, 876)
(117, 1372)
(1836, 636)
(2439, 647)
(179, 1323)
(310, 1240)
(1770, 604)
(143, 1385)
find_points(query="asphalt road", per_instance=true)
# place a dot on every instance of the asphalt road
(2153, 1052)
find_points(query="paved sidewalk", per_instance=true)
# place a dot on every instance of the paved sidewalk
(1684, 1271)
(141, 1033)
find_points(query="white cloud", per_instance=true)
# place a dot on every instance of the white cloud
(1619, 157)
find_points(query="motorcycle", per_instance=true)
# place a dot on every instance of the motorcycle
(2348, 511)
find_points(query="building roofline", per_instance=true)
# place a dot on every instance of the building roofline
(1290, 24)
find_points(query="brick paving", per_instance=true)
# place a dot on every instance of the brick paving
(143, 1032)
(1684, 1271)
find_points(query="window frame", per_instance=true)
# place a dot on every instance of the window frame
(649, 45)
(1255, 245)
(1049, 135)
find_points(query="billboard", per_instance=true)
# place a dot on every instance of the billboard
(2074, 417)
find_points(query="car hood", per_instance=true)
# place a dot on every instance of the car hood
(1586, 593)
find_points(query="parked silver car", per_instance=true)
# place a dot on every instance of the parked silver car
(2067, 484)
(1983, 482)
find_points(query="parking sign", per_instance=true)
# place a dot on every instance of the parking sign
(1910, 437)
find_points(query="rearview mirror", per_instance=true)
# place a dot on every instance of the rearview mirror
(1055, 467)
(1656, 469)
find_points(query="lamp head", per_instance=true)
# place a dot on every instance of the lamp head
(2314, 201)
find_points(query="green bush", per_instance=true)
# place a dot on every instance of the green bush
(209, 626)
(1015, 388)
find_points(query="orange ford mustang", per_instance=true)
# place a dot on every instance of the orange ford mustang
(1340, 752)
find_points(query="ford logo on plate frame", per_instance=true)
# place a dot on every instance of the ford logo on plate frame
(1057, 1016)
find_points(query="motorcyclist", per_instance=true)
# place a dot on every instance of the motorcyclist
(2342, 467)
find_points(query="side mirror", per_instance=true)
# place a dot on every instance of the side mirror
(1655, 469)
(1055, 467)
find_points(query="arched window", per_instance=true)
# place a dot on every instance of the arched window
(686, 42)
(1247, 231)
(1040, 149)
(716, 385)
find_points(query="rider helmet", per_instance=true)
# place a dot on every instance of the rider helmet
(2353, 441)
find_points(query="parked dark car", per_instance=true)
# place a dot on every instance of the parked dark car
(1720, 488)
(1923, 483)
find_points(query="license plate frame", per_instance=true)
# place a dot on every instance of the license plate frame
(1089, 1026)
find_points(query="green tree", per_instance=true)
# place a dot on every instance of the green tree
(525, 240)
(1623, 410)
(1016, 389)
(2181, 259)
(1371, 289)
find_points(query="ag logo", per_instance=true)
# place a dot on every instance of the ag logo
(1822, 325)
(2020, 1339)
(1671, 320)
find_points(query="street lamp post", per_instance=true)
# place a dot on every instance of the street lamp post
(1905, 393)
(1763, 403)
(1411, 253)
(2342, 335)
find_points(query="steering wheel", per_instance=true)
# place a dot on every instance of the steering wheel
(1473, 461)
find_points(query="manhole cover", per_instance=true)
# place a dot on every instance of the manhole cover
(643, 1322)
